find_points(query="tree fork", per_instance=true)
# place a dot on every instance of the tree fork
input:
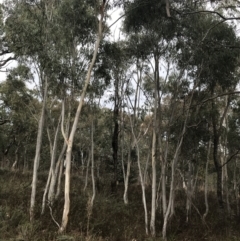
(74, 127)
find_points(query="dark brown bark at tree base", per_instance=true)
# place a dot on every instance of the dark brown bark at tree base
(113, 187)
(115, 145)
(115, 138)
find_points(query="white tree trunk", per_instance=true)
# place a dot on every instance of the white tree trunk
(170, 207)
(142, 178)
(92, 168)
(37, 153)
(172, 189)
(74, 127)
(154, 186)
(143, 191)
(51, 174)
(59, 176)
(86, 175)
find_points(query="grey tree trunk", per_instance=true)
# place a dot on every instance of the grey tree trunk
(51, 175)
(189, 189)
(60, 162)
(126, 181)
(154, 186)
(236, 187)
(142, 178)
(154, 146)
(206, 181)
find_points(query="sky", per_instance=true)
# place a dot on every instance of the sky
(115, 30)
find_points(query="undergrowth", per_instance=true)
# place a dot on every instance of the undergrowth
(109, 220)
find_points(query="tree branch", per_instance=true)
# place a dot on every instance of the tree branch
(2, 122)
(214, 97)
(230, 158)
(4, 62)
(213, 12)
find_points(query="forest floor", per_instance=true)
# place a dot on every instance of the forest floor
(110, 219)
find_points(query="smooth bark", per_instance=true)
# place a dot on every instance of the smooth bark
(37, 152)
(74, 127)
(51, 174)
(92, 167)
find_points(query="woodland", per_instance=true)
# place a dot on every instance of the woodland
(121, 137)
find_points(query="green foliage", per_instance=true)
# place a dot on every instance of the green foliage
(208, 45)
(143, 15)
(29, 232)
(202, 57)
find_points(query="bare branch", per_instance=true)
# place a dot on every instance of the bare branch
(230, 158)
(212, 12)
(4, 62)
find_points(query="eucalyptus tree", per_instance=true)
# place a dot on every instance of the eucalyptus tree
(214, 63)
(48, 35)
(27, 32)
(152, 33)
(100, 10)
(70, 60)
(20, 107)
(233, 148)
(116, 63)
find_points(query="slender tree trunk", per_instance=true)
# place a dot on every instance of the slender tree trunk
(115, 135)
(146, 170)
(37, 153)
(92, 167)
(86, 175)
(55, 167)
(189, 190)
(216, 136)
(126, 182)
(135, 114)
(154, 148)
(225, 181)
(74, 127)
(218, 167)
(60, 162)
(25, 161)
(163, 168)
(59, 177)
(154, 186)
(51, 174)
(170, 206)
(206, 181)
(235, 187)
(172, 187)
(143, 191)
(16, 158)
(142, 178)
